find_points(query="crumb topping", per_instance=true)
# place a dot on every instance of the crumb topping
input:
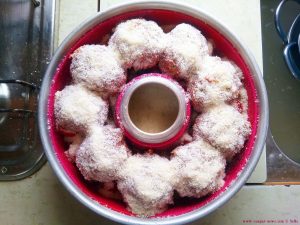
(76, 108)
(224, 127)
(138, 43)
(200, 168)
(96, 67)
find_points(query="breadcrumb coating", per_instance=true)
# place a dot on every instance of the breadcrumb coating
(97, 67)
(185, 49)
(200, 169)
(217, 81)
(224, 127)
(138, 43)
(102, 154)
(76, 109)
(146, 183)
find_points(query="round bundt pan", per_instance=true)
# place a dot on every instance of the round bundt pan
(164, 13)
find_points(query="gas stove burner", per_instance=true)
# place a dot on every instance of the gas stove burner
(4, 101)
(24, 24)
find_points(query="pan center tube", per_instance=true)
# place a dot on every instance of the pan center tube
(153, 111)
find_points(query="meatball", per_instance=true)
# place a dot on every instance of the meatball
(224, 127)
(76, 109)
(185, 48)
(146, 183)
(97, 67)
(201, 169)
(217, 81)
(138, 42)
(102, 154)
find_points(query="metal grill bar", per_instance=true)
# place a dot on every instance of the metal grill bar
(23, 24)
(22, 82)
(17, 111)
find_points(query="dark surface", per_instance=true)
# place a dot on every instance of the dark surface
(26, 45)
(284, 97)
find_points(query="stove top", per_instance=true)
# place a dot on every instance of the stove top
(26, 46)
(283, 151)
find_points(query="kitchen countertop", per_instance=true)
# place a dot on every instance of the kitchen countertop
(42, 200)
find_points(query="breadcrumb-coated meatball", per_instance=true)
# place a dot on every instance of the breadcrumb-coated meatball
(200, 169)
(224, 127)
(102, 154)
(97, 67)
(217, 81)
(185, 48)
(138, 43)
(146, 183)
(76, 109)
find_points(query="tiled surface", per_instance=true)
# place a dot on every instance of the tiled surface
(72, 14)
